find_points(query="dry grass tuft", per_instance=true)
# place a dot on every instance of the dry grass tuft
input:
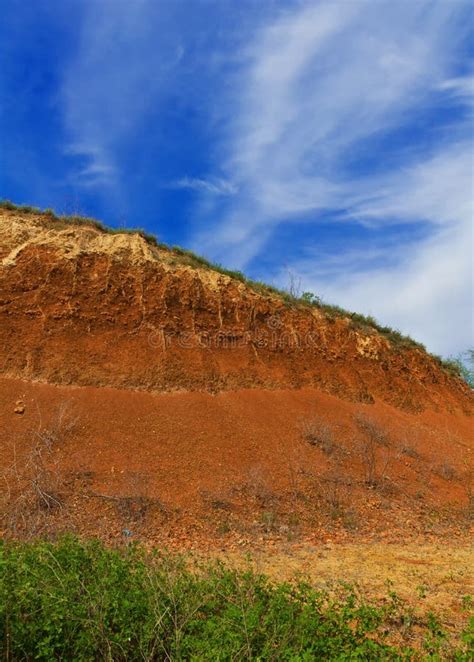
(318, 433)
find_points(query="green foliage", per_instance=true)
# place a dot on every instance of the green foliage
(74, 219)
(462, 366)
(453, 366)
(75, 600)
(311, 299)
(7, 204)
(25, 209)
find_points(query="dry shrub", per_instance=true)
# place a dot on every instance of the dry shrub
(368, 447)
(368, 455)
(61, 426)
(336, 491)
(409, 442)
(216, 500)
(133, 508)
(318, 433)
(32, 491)
(33, 483)
(269, 521)
(446, 471)
(410, 451)
(136, 504)
(257, 486)
(373, 431)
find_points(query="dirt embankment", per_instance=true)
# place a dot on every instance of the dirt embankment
(143, 398)
(236, 468)
(78, 306)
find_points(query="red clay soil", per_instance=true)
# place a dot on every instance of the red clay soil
(78, 306)
(201, 469)
(144, 398)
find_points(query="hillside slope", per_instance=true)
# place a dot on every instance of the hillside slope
(194, 468)
(80, 306)
(143, 392)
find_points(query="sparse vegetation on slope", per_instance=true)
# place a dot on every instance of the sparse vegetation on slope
(184, 256)
(75, 600)
(463, 364)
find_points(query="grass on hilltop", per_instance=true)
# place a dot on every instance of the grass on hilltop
(307, 299)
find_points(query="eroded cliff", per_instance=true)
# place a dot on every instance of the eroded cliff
(80, 306)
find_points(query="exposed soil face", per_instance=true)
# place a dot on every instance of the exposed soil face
(78, 306)
(144, 399)
(241, 468)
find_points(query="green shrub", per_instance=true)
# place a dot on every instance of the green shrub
(7, 204)
(75, 600)
(311, 299)
(26, 209)
(462, 366)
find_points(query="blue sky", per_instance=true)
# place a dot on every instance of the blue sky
(326, 143)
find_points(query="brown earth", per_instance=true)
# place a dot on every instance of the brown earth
(79, 306)
(144, 399)
(195, 469)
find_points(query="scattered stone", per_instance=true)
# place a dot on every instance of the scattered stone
(19, 407)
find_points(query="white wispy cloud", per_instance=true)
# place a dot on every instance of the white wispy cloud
(215, 186)
(122, 66)
(99, 168)
(424, 287)
(318, 81)
(437, 190)
(316, 85)
(461, 86)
